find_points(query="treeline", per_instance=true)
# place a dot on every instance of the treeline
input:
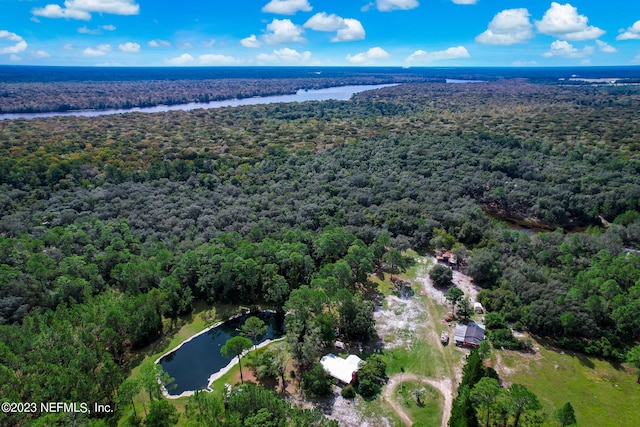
(59, 96)
(582, 289)
(483, 401)
(78, 302)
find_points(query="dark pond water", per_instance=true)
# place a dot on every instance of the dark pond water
(192, 364)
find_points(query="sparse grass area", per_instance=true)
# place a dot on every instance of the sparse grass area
(602, 394)
(384, 286)
(420, 359)
(413, 271)
(427, 409)
(378, 409)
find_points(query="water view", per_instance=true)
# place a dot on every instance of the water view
(193, 363)
(340, 93)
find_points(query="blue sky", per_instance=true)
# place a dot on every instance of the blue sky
(320, 32)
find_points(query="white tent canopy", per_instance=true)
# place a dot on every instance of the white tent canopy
(340, 368)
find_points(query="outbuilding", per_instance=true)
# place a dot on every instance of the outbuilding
(344, 370)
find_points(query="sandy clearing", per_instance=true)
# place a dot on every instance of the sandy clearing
(462, 281)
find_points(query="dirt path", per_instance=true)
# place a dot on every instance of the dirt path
(444, 386)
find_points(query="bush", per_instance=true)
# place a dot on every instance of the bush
(441, 276)
(495, 321)
(372, 376)
(504, 338)
(348, 392)
(317, 381)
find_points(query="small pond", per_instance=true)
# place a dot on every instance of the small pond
(195, 361)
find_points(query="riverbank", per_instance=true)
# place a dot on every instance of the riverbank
(339, 93)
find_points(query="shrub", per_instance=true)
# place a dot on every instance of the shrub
(348, 392)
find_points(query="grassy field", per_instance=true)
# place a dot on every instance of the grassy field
(602, 394)
(427, 410)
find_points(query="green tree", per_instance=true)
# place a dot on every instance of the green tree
(372, 376)
(253, 328)
(441, 276)
(521, 400)
(204, 408)
(127, 391)
(483, 268)
(175, 299)
(395, 260)
(454, 296)
(273, 363)
(566, 415)
(235, 346)
(317, 381)
(153, 378)
(161, 414)
(633, 357)
(463, 413)
(484, 394)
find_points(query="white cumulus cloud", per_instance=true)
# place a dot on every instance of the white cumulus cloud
(323, 22)
(100, 50)
(389, 5)
(465, 1)
(605, 47)
(17, 42)
(287, 7)
(564, 49)
(369, 56)
(86, 30)
(283, 31)
(40, 54)
(563, 21)
(205, 59)
(347, 29)
(284, 56)
(158, 43)
(511, 26)
(208, 43)
(130, 47)
(251, 41)
(631, 33)
(440, 55)
(82, 9)
(353, 30)
(524, 63)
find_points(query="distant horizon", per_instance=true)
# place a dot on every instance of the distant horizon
(398, 33)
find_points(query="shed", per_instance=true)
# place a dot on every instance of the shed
(344, 370)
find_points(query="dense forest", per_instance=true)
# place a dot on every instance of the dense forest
(111, 224)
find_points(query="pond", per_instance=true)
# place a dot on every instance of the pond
(340, 93)
(195, 361)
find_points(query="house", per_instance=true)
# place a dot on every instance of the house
(344, 370)
(469, 335)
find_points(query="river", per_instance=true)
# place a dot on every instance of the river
(340, 93)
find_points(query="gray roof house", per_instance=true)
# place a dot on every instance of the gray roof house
(469, 335)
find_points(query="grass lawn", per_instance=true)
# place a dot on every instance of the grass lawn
(602, 394)
(421, 359)
(427, 410)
